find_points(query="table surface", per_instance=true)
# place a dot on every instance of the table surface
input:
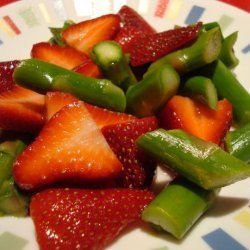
(242, 4)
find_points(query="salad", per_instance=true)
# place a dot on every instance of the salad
(99, 108)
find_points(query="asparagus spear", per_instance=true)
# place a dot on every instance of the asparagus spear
(229, 87)
(146, 97)
(227, 54)
(237, 142)
(109, 57)
(204, 50)
(202, 162)
(42, 77)
(178, 206)
(12, 201)
(203, 89)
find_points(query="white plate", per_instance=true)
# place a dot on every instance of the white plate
(227, 224)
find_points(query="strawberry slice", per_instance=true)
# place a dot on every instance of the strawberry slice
(131, 18)
(65, 57)
(54, 101)
(69, 148)
(104, 117)
(84, 218)
(133, 27)
(126, 36)
(6, 71)
(21, 110)
(88, 68)
(151, 47)
(138, 168)
(196, 118)
(26, 97)
(84, 35)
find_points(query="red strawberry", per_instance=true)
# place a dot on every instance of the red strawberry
(54, 101)
(196, 118)
(65, 57)
(21, 110)
(127, 35)
(84, 219)
(69, 148)
(151, 47)
(26, 97)
(104, 117)
(138, 168)
(84, 35)
(88, 68)
(133, 27)
(131, 18)
(6, 71)
(18, 118)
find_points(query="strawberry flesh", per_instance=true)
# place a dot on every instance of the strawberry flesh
(138, 168)
(104, 117)
(65, 57)
(84, 35)
(84, 218)
(196, 118)
(54, 101)
(21, 110)
(69, 148)
(88, 68)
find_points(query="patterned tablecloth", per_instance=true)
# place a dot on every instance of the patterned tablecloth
(242, 4)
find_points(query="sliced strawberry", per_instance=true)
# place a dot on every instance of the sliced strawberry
(127, 35)
(65, 57)
(196, 118)
(138, 168)
(88, 68)
(133, 27)
(104, 117)
(84, 35)
(54, 101)
(16, 117)
(151, 47)
(85, 219)
(6, 71)
(21, 110)
(26, 97)
(131, 18)
(69, 148)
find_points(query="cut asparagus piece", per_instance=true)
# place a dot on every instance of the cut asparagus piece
(109, 57)
(202, 162)
(8, 152)
(237, 143)
(203, 89)
(146, 97)
(228, 86)
(42, 77)
(204, 50)
(227, 54)
(178, 206)
(12, 202)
